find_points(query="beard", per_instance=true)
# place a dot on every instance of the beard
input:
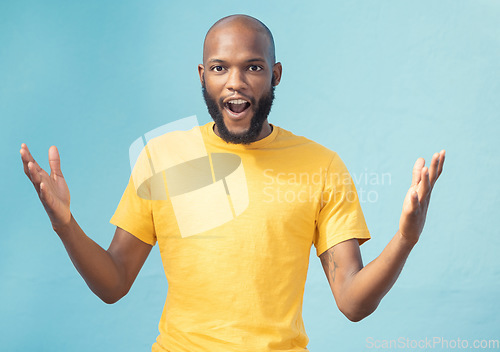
(261, 110)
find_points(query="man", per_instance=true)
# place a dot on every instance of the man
(238, 286)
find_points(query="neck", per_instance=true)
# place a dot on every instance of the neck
(266, 131)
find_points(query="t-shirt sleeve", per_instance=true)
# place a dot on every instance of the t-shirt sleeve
(134, 215)
(340, 217)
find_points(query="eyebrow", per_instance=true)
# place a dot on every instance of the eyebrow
(256, 59)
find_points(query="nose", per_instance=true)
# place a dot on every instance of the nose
(235, 80)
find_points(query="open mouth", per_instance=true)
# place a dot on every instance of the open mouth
(237, 106)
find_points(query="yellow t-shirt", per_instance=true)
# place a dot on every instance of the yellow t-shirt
(235, 225)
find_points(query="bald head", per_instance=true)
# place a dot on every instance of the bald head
(239, 23)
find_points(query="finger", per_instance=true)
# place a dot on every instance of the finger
(26, 157)
(433, 171)
(37, 174)
(26, 152)
(417, 168)
(425, 185)
(55, 162)
(25, 163)
(45, 195)
(34, 175)
(442, 155)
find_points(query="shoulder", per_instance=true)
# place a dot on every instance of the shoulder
(288, 139)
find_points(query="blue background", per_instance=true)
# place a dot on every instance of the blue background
(380, 82)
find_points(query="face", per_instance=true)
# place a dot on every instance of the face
(238, 76)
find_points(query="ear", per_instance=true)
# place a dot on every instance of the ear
(201, 71)
(277, 70)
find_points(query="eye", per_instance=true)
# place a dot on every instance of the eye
(255, 68)
(217, 68)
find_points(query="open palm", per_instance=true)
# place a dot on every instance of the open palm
(418, 196)
(52, 189)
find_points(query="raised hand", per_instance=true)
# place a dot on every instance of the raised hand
(417, 199)
(52, 189)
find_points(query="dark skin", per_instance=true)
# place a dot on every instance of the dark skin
(108, 273)
(237, 64)
(358, 290)
(231, 70)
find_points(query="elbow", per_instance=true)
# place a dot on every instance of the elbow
(358, 313)
(110, 286)
(355, 317)
(110, 300)
(111, 296)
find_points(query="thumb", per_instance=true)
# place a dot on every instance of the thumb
(414, 200)
(55, 161)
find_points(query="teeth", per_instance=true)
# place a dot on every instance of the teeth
(237, 101)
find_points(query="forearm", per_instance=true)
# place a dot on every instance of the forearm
(358, 291)
(367, 287)
(94, 263)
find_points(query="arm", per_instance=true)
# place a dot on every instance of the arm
(358, 290)
(108, 273)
